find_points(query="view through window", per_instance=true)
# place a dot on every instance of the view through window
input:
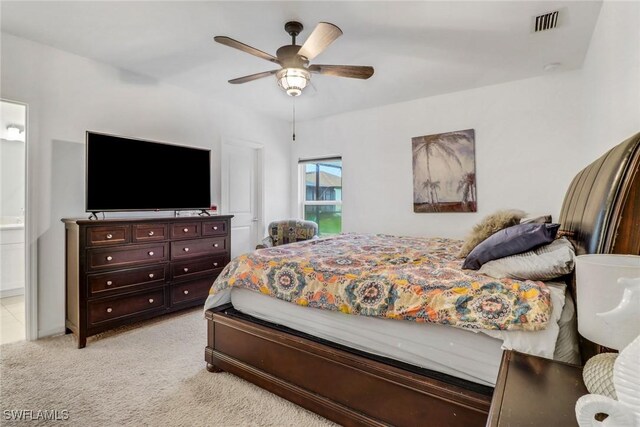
(322, 198)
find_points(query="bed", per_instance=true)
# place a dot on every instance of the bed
(357, 384)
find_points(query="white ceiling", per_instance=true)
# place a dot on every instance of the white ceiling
(418, 49)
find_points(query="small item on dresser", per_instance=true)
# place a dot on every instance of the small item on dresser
(510, 241)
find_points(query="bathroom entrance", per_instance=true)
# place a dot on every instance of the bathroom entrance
(13, 124)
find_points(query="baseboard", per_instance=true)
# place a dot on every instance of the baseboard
(50, 332)
(6, 293)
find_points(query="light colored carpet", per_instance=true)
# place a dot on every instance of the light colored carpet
(151, 375)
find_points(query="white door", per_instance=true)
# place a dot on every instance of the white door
(241, 191)
(18, 290)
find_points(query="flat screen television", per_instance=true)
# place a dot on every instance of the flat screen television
(127, 174)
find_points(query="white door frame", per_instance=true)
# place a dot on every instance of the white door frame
(224, 186)
(30, 236)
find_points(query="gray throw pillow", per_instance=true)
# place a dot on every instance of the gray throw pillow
(543, 263)
(510, 241)
(490, 224)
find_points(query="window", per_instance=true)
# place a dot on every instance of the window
(321, 193)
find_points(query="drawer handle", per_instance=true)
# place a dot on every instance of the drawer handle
(150, 300)
(186, 249)
(186, 292)
(185, 269)
(215, 264)
(186, 230)
(150, 253)
(151, 233)
(151, 275)
(215, 245)
(109, 258)
(109, 236)
(215, 228)
(109, 283)
(109, 309)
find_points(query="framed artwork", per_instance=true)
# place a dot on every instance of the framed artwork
(444, 172)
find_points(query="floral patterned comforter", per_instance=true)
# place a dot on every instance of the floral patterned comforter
(417, 279)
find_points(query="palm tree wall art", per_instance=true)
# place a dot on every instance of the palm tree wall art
(444, 172)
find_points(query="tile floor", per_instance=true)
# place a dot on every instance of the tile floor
(12, 326)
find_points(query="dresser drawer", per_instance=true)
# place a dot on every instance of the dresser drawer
(130, 255)
(125, 280)
(193, 248)
(114, 308)
(108, 235)
(197, 267)
(150, 232)
(214, 228)
(185, 230)
(189, 291)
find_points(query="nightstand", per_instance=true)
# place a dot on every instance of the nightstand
(532, 391)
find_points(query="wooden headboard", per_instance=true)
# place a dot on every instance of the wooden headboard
(601, 210)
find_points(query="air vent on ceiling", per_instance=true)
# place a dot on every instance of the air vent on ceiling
(547, 21)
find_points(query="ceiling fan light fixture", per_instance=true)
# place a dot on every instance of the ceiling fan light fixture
(293, 80)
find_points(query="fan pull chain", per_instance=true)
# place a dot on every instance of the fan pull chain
(294, 119)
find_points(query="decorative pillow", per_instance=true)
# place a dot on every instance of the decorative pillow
(544, 219)
(544, 263)
(510, 241)
(488, 226)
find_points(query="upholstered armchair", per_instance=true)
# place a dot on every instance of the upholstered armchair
(289, 231)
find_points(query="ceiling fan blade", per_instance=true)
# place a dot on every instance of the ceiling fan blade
(352, 71)
(320, 38)
(228, 41)
(252, 77)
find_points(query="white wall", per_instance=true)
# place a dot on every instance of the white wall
(611, 77)
(68, 95)
(532, 137)
(528, 140)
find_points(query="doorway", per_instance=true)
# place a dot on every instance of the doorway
(13, 125)
(242, 193)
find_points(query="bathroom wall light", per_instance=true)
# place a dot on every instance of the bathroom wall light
(14, 132)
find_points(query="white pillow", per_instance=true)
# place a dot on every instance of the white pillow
(539, 343)
(544, 263)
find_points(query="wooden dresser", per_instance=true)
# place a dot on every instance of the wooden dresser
(532, 391)
(120, 271)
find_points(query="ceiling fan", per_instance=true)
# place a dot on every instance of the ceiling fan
(295, 71)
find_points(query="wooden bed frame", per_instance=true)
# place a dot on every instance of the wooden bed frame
(600, 214)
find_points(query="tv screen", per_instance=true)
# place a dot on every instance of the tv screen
(126, 174)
